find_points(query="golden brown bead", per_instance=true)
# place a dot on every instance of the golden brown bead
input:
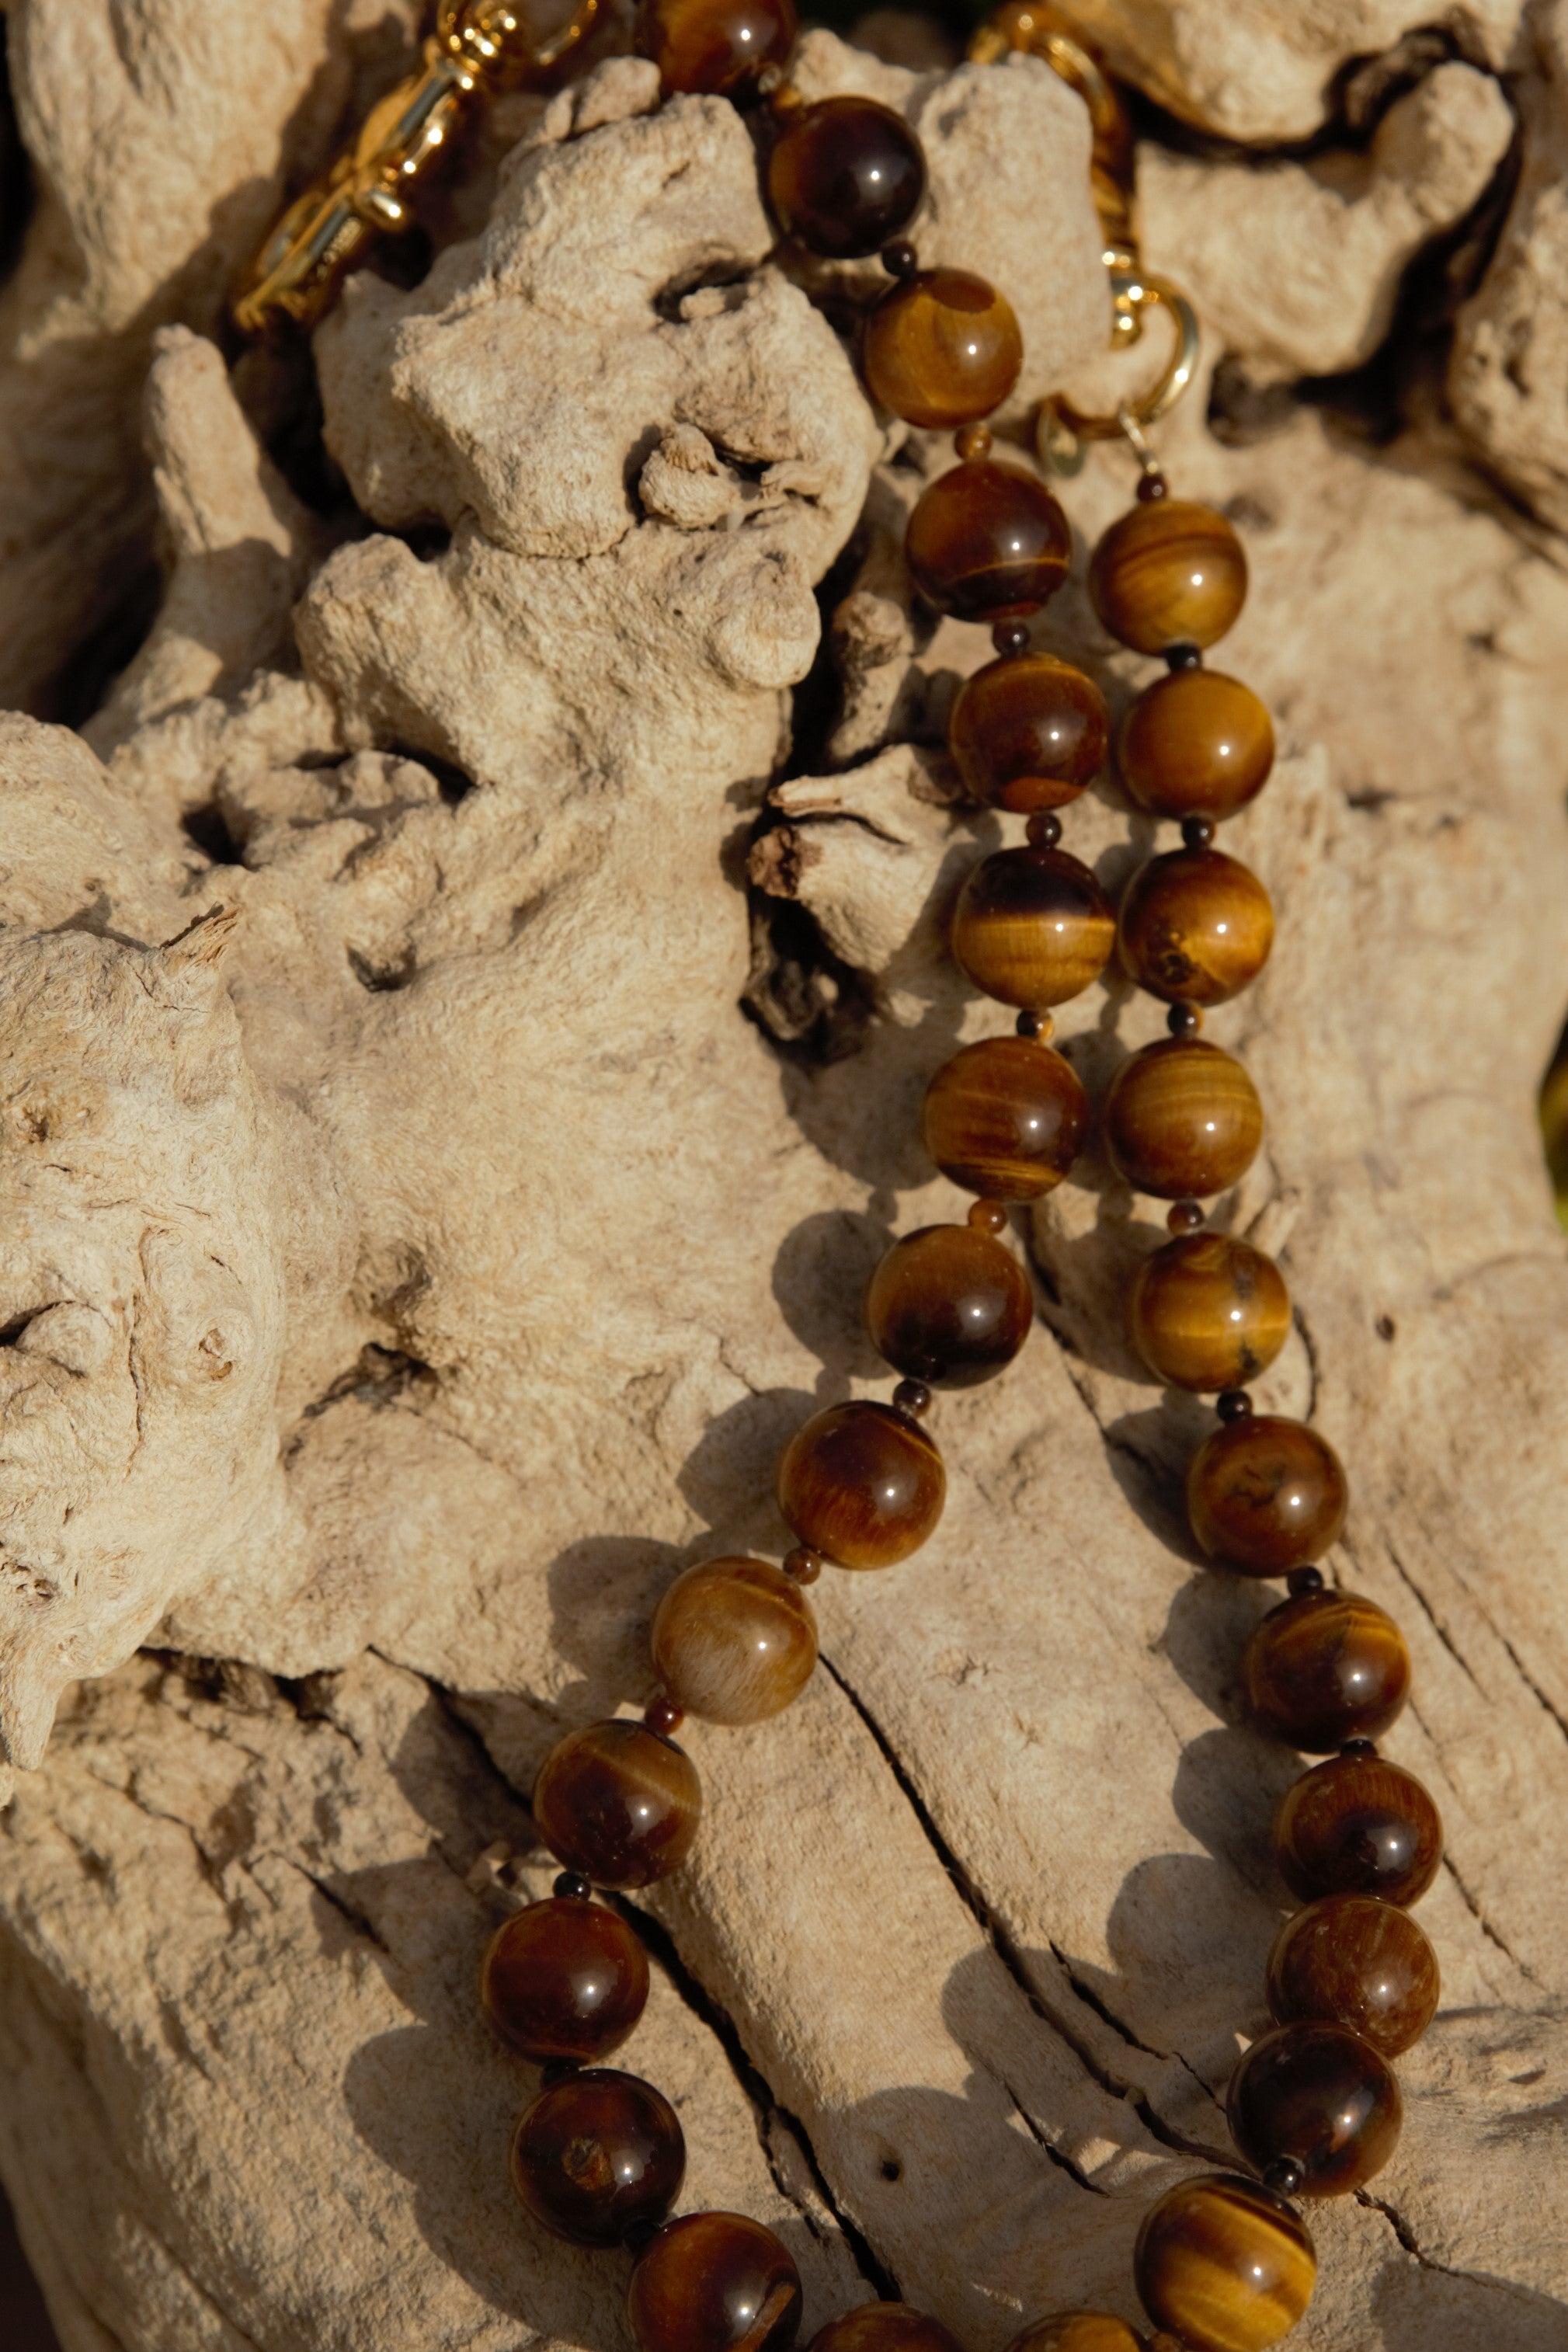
(942, 349)
(1076, 2331)
(1354, 1961)
(883, 2328)
(1182, 1119)
(1029, 732)
(717, 48)
(804, 1566)
(1209, 1312)
(1167, 574)
(949, 1305)
(861, 1484)
(1006, 1117)
(1266, 1495)
(1197, 743)
(1357, 1825)
(598, 2155)
(715, 2283)
(845, 175)
(1325, 1668)
(564, 1979)
(1033, 927)
(1224, 2265)
(1323, 2098)
(618, 1803)
(990, 1216)
(735, 1640)
(988, 542)
(1195, 926)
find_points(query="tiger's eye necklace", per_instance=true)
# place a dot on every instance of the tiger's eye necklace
(1223, 2261)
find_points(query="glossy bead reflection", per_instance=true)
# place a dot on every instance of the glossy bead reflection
(715, 2283)
(1006, 1117)
(861, 1484)
(717, 48)
(845, 176)
(1358, 1825)
(1326, 1668)
(564, 1979)
(1027, 732)
(1169, 573)
(1182, 1119)
(735, 1641)
(1210, 1311)
(1320, 2095)
(1224, 2265)
(597, 2155)
(618, 1803)
(1266, 1495)
(988, 542)
(1033, 927)
(942, 348)
(949, 1305)
(1195, 926)
(884, 2327)
(1076, 2331)
(1351, 1961)
(1197, 743)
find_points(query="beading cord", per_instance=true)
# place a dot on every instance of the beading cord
(1223, 2263)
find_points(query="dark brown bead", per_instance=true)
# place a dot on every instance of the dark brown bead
(1033, 927)
(1010, 638)
(900, 258)
(1352, 1960)
(1357, 1825)
(845, 175)
(735, 1640)
(883, 2328)
(717, 48)
(565, 1978)
(1326, 1668)
(1197, 743)
(990, 1216)
(1224, 2265)
(863, 1484)
(715, 2283)
(988, 542)
(1185, 1217)
(1076, 2331)
(1195, 926)
(974, 441)
(912, 1397)
(804, 1566)
(1320, 2095)
(1210, 1311)
(618, 1803)
(1168, 574)
(942, 349)
(598, 2155)
(949, 1305)
(1266, 1495)
(1182, 1118)
(661, 1715)
(1027, 732)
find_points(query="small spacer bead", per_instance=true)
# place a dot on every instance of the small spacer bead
(1197, 832)
(973, 440)
(1183, 656)
(556, 2070)
(1010, 637)
(1184, 1019)
(1044, 828)
(572, 1887)
(662, 1716)
(1233, 1404)
(639, 2234)
(900, 258)
(1359, 1747)
(1185, 1217)
(914, 1398)
(1152, 487)
(1284, 2176)
(990, 1216)
(1040, 1026)
(804, 1566)
(1302, 1580)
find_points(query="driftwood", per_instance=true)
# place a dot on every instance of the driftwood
(435, 1189)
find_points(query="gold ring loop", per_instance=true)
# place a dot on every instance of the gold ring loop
(1133, 291)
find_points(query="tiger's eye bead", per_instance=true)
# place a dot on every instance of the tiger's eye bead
(1006, 1117)
(988, 542)
(883, 2328)
(735, 1640)
(1027, 732)
(715, 2283)
(845, 176)
(564, 1979)
(1182, 1119)
(1224, 2265)
(1076, 2331)
(1266, 1495)
(863, 1484)
(949, 1305)
(1168, 574)
(1354, 1961)
(1032, 926)
(715, 48)
(1321, 2097)
(1357, 1825)
(1326, 1668)
(1197, 743)
(598, 2154)
(618, 1803)
(1195, 926)
(942, 349)
(1209, 1312)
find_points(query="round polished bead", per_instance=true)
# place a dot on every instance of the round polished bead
(715, 48)
(1076, 2331)
(883, 2328)
(1210, 1311)
(1319, 2095)
(845, 176)
(1224, 2265)
(942, 349)
(1266, 1495)
(597, 2155)
(1197, 743)
(1182, 1119)
(1357, 1825)
(1027, 732)
(715, 2283)
(988, 542)
(1168, 574)
(949, 1305)
(863, 1484)
(912, 1397)
(618, 1803)
(735, 1640)
(1032, 926)
(564, 1979)
(1326, 1668)
(1351, 1961)
(1185, 1217)
(1006, 1117)
(1195, 926)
